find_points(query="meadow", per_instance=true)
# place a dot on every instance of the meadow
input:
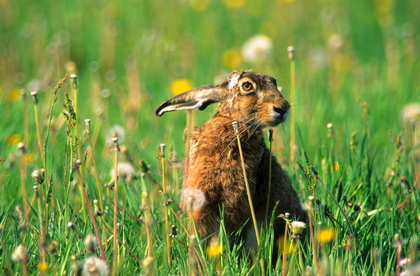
(79, 85)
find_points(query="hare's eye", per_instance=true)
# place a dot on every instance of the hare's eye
(247, 86)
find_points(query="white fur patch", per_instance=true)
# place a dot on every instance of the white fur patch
(286, 115)
(233, 82)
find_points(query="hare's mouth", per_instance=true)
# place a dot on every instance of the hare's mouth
(275, 117)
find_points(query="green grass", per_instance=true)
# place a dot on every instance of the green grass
(357, 65)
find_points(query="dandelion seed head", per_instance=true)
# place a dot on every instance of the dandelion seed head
(115, 131)
(34, 85)
(70, 67)
(20, 253)
(411, 113)
(94, 266)
(318, 57)
(125, 170)
(404, 261)
(411, 270)
(38, 175)
(335, 41)
(197, 197)
(258, 48)
(297, 227)
(90, 242)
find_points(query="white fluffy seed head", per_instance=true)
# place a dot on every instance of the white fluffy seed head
(94, 266)
(195, 196)
(297, 227)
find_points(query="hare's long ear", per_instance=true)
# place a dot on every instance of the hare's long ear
(199, 97)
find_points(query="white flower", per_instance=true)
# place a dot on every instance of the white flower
(258, 48)
(193, 196)
(94, 266)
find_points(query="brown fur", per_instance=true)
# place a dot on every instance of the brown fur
(214, 164)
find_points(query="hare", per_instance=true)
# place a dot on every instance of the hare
(214, 164)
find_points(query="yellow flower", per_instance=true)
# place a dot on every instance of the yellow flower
(234, 4)
(287, 246)
(214, 250)
(326, 235)
(199, 5)
(232, 58)
(14, 95)
(30, 157)
(336, 166)
(180, 86)
(43, 266)
(383, 6)
(13, 139)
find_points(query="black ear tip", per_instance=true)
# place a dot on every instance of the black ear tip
(158, 111)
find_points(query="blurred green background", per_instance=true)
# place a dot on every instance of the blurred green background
(128, 53)
(357, 67)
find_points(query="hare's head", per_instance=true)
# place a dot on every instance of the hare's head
(244, 96)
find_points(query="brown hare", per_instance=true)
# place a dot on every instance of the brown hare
(214, 164)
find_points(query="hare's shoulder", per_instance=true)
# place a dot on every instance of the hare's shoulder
(216, 139)
(216, 131)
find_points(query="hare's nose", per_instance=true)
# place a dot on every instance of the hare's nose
(280, 110)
